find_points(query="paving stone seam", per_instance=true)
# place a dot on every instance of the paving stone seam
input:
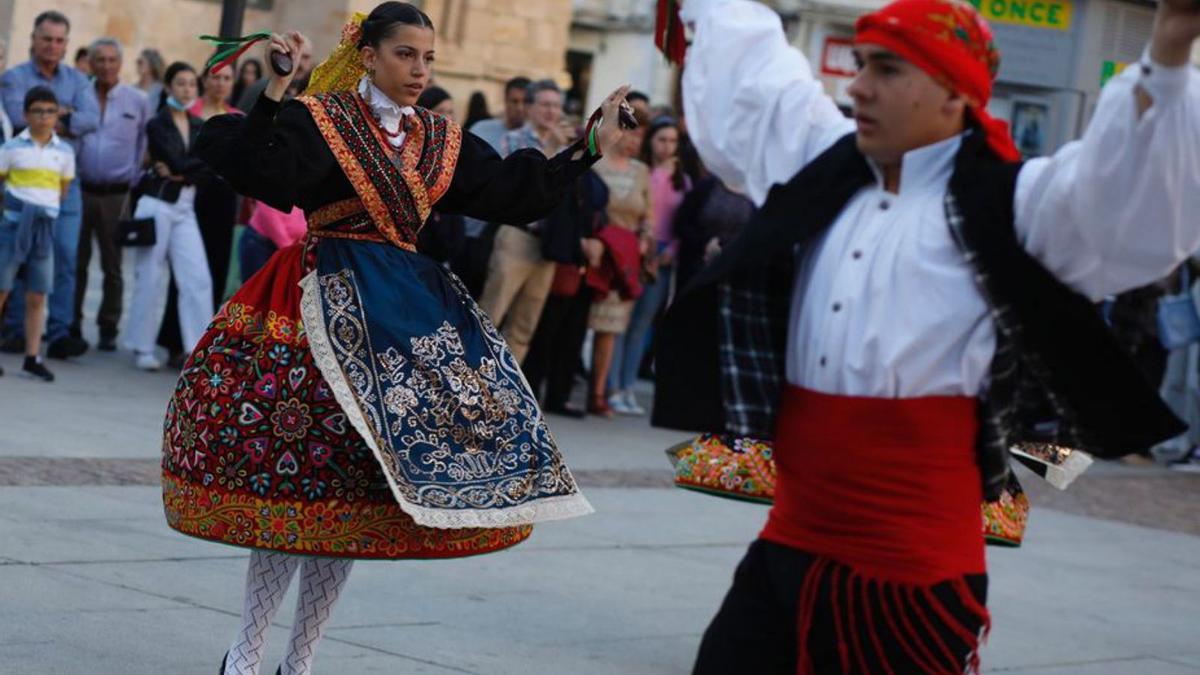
(1032, 667)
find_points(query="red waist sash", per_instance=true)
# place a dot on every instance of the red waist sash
(889, 487)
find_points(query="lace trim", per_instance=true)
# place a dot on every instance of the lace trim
(538, 510)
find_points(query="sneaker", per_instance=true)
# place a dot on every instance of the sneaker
(631, 403)
(67, 347)
(1187, 467)
(14, 344)
(146, 362)
(35, 368)
(618, 404)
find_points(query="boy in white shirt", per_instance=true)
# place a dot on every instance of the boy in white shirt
(36, 168)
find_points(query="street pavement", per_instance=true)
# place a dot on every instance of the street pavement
(93, 581)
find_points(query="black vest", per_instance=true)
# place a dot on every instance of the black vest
(722, 345)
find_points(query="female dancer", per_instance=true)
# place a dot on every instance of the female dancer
(350, 401)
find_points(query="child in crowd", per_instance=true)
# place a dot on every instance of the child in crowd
(35, 168)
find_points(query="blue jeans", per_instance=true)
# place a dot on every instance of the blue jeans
(631, 347)
(254, 250)
(62, 293)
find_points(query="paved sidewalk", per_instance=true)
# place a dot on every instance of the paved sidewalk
(92, 580)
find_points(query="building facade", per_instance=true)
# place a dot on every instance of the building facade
(480, 43)
(1055, 57)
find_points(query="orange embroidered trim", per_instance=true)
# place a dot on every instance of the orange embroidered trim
(363, 236)
(449, 161)
(331, 213)
(371, 199)
(331, 527)
(414, 144)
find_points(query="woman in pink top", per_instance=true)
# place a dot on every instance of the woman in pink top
(270, 230)
(668, 185)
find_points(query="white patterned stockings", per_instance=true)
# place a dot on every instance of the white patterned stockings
(267, 580)
(321, 580)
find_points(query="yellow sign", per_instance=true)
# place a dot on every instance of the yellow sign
(1052, 14)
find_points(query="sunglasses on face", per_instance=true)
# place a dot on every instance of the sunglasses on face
(41, 112)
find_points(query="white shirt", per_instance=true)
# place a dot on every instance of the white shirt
(36, 173)
(390, 114)
(890, 308)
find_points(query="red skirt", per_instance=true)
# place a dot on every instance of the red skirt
(257, 452)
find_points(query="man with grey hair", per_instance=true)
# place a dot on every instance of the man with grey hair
(80, 115)
(109, 164)
(519, 277)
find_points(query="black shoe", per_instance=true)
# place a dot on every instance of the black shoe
(108, 338)
(67, 347)
(35, 368)
(13, 345)
(566, 411)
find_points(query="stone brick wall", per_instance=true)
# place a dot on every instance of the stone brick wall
(480, 43)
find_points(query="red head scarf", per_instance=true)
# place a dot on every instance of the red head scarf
(950, 41)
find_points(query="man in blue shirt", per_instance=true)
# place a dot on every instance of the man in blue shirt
(81, 115)
(110, 162)
(519, 276)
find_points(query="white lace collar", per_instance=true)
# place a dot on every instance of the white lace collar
(390, 114)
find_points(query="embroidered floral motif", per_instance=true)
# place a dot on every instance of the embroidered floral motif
(399, 208)
(258, 453)
(332, 528)
(461, 441)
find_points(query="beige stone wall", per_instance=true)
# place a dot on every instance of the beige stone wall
(171, 26)
(483, 43)
(480, 43)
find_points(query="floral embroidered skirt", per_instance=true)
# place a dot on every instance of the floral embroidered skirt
(399, 426)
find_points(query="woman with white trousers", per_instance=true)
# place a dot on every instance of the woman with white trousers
(168, 196)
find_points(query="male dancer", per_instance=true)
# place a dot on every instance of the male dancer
(904, 279)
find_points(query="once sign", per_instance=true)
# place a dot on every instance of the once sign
(1052, 14)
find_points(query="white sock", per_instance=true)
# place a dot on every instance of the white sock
(267, 581)
(321, 581)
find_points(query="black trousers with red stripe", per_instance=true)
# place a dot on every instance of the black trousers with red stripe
(857, 625)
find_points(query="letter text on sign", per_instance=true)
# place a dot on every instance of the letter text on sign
(1050, 14)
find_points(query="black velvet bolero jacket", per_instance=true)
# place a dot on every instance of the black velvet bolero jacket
(277, 154)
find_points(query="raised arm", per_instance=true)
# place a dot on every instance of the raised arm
(753, 108)
(523, 187)
(271, 154)
(1120, 208)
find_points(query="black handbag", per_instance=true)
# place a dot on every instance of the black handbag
(136, 232)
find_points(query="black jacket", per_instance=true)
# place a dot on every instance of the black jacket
(576, 218)
(166, 145)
